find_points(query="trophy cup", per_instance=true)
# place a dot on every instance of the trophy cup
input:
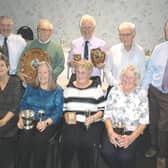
(71, 117)
(77, 57)
(41, 114)
(87, 114)
(28, 118)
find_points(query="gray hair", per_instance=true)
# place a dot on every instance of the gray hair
(131, 68)
(50, 25)
(127, 25)
(87, 17)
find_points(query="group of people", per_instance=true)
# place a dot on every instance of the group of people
(83, 106)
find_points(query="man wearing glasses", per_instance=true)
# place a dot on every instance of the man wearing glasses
(11, 45)
(81, 48)
(123, 54)
(51, 47)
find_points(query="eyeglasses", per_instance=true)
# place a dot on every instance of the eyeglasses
(43, 30)
(125, 34)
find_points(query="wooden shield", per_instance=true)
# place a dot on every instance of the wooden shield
(30, 61)
(97, 56)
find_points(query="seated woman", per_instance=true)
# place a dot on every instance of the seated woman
(83, 110)
(126, 116)
(10, 93)
(43, 96)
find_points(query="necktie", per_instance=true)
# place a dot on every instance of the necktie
(165, 79)
(86, 50)
(5, 47)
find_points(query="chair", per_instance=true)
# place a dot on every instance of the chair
(26, 32)
(54, 150)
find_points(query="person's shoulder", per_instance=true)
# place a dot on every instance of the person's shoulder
(99, 40)
(162, 45)
(116, 46)
(58, 89)
(15, 79)
(54, 43)
(138, 46)
(77, 40)
(17, 37)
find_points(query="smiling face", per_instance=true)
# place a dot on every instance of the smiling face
(4, 68)
(43, 75)
(82, 75)
(127, 34)
(87, 26)
(6, 26)
(44, 30)
(128, 81)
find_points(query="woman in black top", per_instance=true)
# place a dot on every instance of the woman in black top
(10, 92)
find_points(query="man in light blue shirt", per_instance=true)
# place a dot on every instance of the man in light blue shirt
(158, 102)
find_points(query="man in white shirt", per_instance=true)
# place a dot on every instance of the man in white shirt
(123, 54)
(15, 43)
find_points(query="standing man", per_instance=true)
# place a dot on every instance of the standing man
(12, 45)
(123, 54)
(156, 79)
(81, 47)
(48, 45)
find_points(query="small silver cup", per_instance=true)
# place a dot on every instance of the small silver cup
(41, 115)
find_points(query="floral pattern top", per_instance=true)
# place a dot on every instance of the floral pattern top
(127, 110)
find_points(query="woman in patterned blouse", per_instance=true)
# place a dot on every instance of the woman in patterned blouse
(126, 116)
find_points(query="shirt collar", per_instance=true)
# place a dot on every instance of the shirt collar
(45, 42)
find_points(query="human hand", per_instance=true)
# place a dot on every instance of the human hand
(114, 138)
(89, 120)
(72, 63)
(22, 76)
(125, 141)
(41, 126)
(20, 124)
(100, 65)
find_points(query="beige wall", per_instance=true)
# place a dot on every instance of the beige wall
(148, 15)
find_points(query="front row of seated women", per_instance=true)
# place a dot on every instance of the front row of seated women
(84, 113)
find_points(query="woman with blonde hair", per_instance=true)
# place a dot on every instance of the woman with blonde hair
(43, 96)
(83, 110)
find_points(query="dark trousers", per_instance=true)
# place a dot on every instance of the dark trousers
(33, 147)
(119, 157)
(8, 152)
(158, 128)
(77, 140)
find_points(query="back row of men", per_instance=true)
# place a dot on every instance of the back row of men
(128, 52)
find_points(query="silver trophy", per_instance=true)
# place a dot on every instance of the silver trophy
(41, 115)
(28, 119)
(87, 114)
